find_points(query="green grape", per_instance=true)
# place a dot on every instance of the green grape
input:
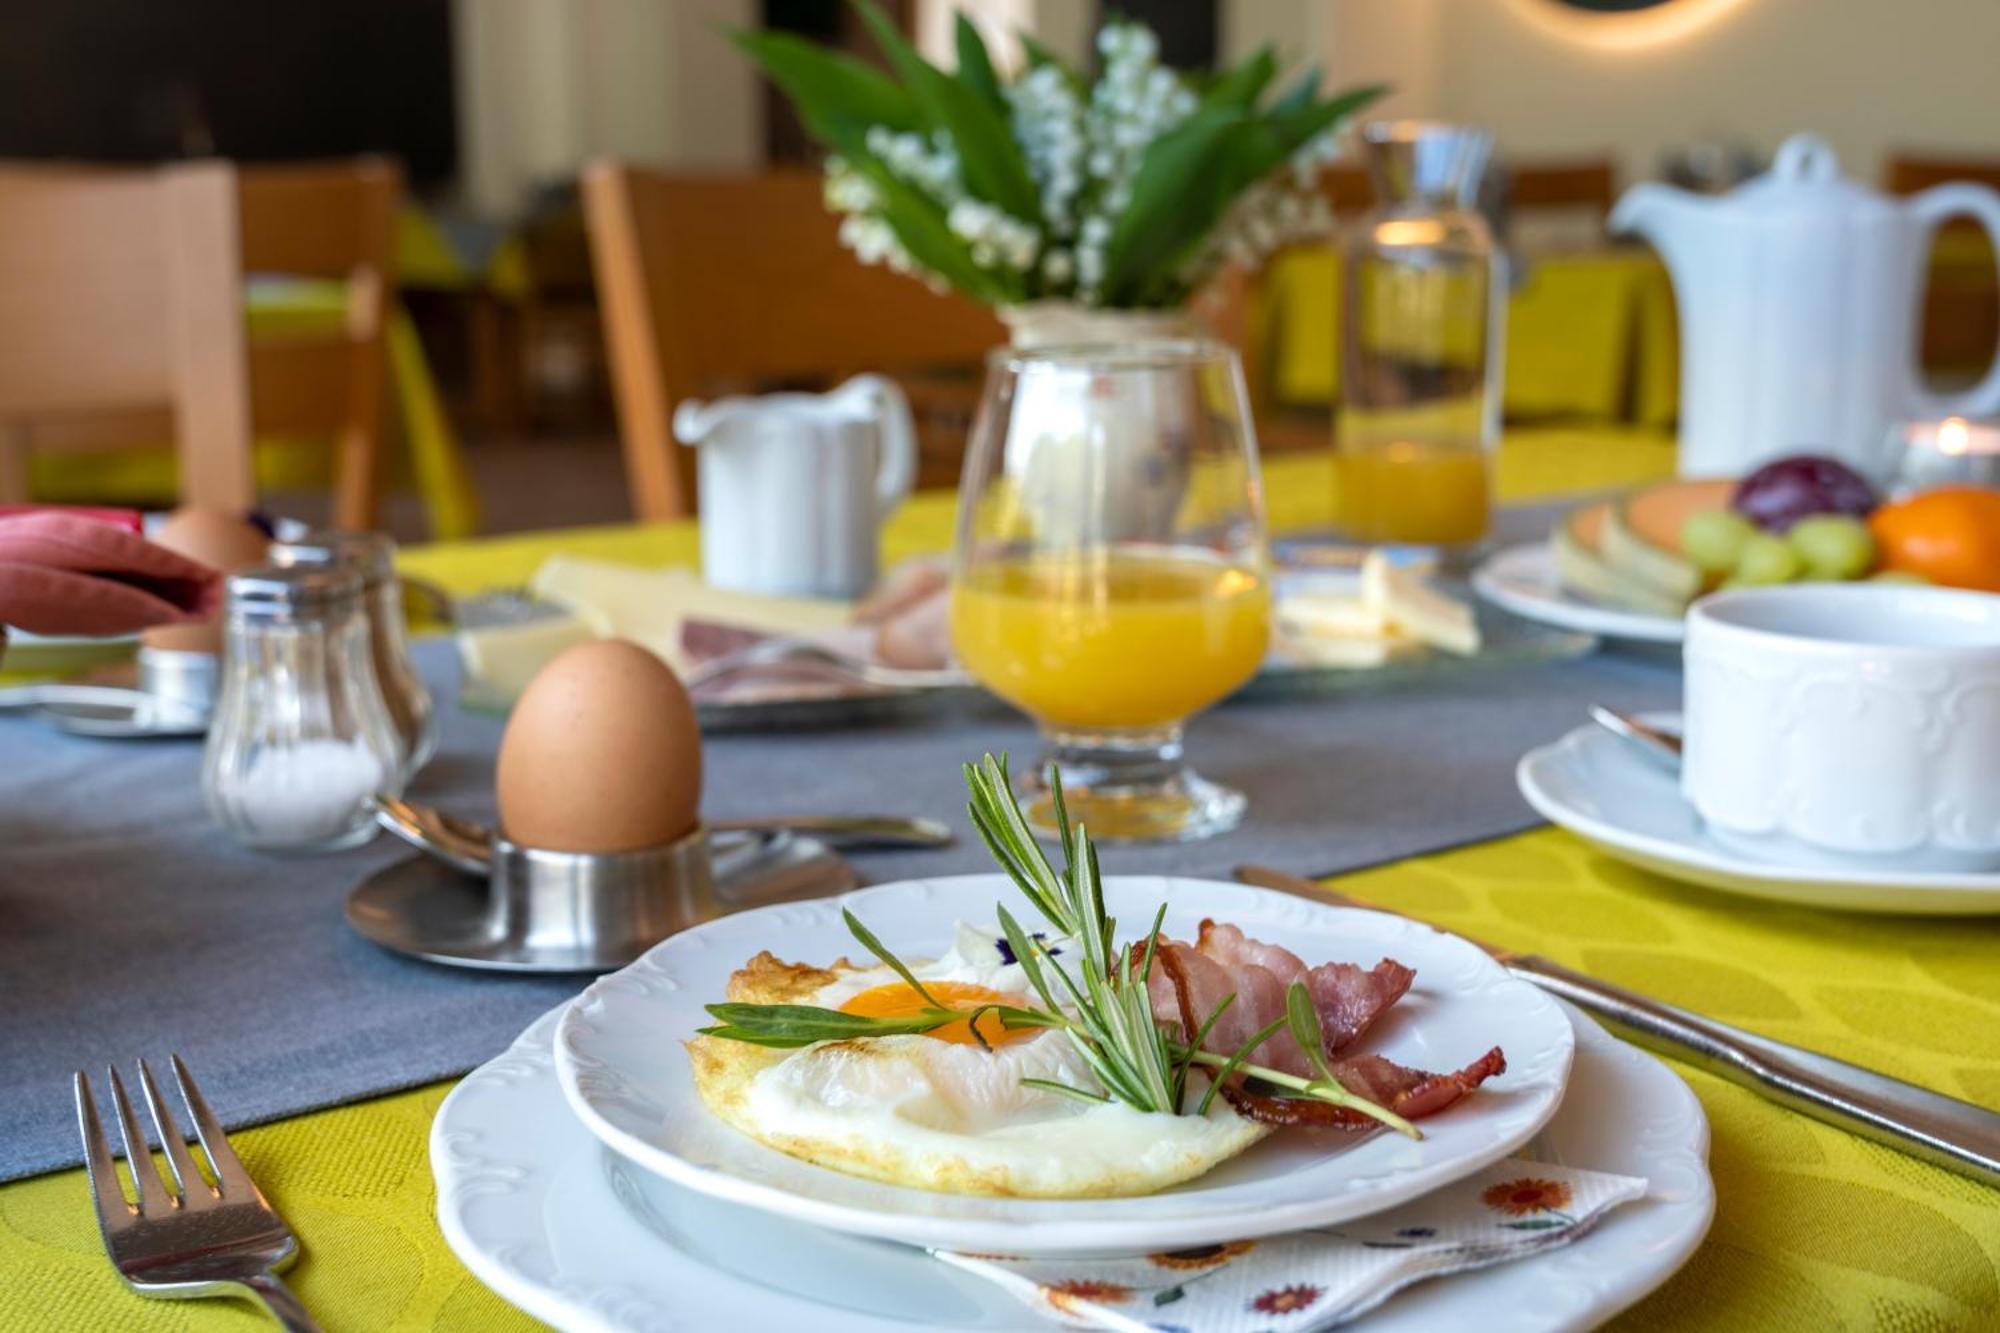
(1899, 576)
(1714, 539)
(1833, 546)
(1766, 559)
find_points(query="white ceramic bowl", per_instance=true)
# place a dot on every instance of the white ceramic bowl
(1847, 724)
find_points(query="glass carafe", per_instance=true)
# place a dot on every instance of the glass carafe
(1421, 330)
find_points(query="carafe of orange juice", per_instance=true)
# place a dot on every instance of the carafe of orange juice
(1420, 348)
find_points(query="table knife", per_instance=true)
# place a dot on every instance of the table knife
(1944, 1131)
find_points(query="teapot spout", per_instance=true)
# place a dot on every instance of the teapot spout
(1667, 218)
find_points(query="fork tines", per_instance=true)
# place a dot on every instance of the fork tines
(190, 1189)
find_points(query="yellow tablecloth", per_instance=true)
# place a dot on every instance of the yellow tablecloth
(1590, 336)
(1816, 1231)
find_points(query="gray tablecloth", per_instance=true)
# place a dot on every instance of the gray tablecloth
(130, 927)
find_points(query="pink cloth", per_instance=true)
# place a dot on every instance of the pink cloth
(64, 574)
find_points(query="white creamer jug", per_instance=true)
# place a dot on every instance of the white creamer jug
(1800, 294)
(794, 486)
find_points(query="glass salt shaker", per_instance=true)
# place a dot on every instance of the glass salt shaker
(301, 737)
(373, 556)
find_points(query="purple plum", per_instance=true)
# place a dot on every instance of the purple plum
(1785, 490)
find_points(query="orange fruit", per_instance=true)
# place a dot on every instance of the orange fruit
(1950, 535)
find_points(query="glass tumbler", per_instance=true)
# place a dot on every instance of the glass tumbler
(1111, 577)
(301, 738)
(1421, 334)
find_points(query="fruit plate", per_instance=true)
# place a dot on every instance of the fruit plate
(1600, 788)
(1523, 580)
(619, 1056)
(580, 1238)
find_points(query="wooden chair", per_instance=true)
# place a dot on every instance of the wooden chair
(739, 283)
(1961, 317)
(331, 222)
(335, 222)
(121, 291)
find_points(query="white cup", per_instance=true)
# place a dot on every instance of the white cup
(1847, 725)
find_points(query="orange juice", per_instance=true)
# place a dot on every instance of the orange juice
(1409, 491)
(1112, 639)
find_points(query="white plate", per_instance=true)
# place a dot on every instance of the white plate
(1602, 789)
(580, 1238)
(1523, 579)
(619, 1054)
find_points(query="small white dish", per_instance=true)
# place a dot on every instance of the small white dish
(1605, 791)
(1523, 580)
(1847, 725)
(578, 1237)
(619, 1054)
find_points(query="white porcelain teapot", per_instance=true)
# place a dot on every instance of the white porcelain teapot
(794, 486)
(1800, 294)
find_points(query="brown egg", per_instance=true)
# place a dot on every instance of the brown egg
(219, 540)
(601, 754)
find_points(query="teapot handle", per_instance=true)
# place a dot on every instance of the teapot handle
(896, 470)
(1931, 208)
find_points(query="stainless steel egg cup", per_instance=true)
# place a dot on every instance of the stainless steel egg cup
(473, 898)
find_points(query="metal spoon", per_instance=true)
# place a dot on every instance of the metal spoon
(1661, 746)
(467, 844)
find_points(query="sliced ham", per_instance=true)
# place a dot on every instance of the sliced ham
(1410, 1093)
(1348, 998)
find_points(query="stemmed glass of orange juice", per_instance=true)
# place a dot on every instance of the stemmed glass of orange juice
(1111, 577)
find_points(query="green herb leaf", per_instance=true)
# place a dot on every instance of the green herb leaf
(1234, 1062)
(803, 1024)
(1242, 86)
(895, 964)
(1050, 1085)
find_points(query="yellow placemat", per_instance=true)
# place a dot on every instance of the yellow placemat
(1815, 1232)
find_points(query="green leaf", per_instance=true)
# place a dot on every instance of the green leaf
(1303, 93)
(1303, 1018)
(1065, 1089)
(787, 1025)
(895, 964)
(1181, 190)
(1242, 86)
(834, 93)
(975, 66)
(918, 222)
(989, 161)
(1293, 126)
(1221, 1075)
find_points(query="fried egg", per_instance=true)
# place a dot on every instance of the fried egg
(940, 1111)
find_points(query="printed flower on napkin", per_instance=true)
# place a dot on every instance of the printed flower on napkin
(1322, 1278)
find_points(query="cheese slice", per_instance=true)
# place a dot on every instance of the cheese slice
(1416, 608)
(649, 606)
(500, 660)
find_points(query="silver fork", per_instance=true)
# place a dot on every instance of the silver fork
(197, 1239)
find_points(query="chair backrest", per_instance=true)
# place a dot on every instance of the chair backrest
(331, 221)
(733, 283)
(123, 290)
(1907, 173)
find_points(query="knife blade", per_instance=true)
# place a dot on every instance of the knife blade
(1941, 1130)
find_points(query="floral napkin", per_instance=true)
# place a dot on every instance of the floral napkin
(1322, 1278)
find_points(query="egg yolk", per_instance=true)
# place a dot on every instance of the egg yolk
(898, 999)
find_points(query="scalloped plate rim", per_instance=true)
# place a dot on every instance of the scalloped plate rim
(1169, 1220)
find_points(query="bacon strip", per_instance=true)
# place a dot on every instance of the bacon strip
(1189, 981)
(1349, 999)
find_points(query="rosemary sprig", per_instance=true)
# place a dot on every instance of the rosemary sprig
(1104, 1008)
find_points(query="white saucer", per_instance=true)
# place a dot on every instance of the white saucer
(1523, 579)
(1603, 790)
(619, 1054)
(576, 1236)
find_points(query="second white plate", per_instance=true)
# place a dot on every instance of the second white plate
(618, 1051)
(1523, 579)
(1600, 788)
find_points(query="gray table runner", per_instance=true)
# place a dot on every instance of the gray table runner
(129, 926)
